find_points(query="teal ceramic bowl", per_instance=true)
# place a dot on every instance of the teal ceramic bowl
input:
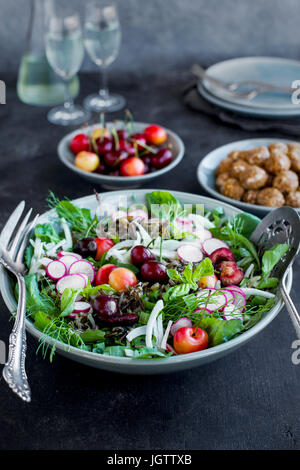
(126, 365)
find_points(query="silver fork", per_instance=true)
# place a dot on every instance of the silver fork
(11, 257)
(232, 88)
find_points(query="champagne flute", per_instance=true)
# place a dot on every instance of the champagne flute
(102, 40)
(64, 51)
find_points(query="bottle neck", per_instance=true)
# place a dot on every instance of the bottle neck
(35, 35)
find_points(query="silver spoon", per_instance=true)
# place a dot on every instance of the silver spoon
(281, 225)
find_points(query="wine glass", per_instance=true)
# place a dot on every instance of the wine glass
(64, 51)
(102, 40)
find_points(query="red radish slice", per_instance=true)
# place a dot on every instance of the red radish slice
(203, 234)
(212, 244)
(81, 307)
(73, 281)
(56, 270)
(83, 267)
(68, 260)
(235, 289)
(240, 300)
(170, 349)
(229, 294)
(190, 253)
(60, 254)
(139, 214)
(181, 323)
(231, 312)
(216, 301)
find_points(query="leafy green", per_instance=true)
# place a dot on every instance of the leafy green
(79, 219)
(114, 351)
(220, 331)
(131, 267)
(93, 336)
(163, 204)
(268, 283)
(272, 257)
(69, 296)
(28, 255)
(148, 353)
(99, 348)
(189, 279)
(46, 233)
(37, 300)
(247, 223)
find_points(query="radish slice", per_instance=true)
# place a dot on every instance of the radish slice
(240, 300)
(56, 270)
(234, 288)
(212, 244)
(190, 253)
(73, 281)
(181, 323)
(203, 234)
(170, 349)
(60, 254)
(139, 214)
(231, 312)
(119, 215)
(216, 301)
(83, 267)
(229, 294)
(68, 260)
(81, 307)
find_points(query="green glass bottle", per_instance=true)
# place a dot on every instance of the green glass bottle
(37, 83)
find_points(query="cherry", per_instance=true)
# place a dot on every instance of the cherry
(122, 278)
(79, 142)
(140, 254)
(105, 145)
(101, 169)
(126, 146)
(123, 134)
(132, 166)
(115, 172)
(153, 271)
(103, 274)
(231, 274)
(106, 307)
(115, 157)
(139, 138)
(155, 135)
(103, 245)
(162, 158)
(86, 247)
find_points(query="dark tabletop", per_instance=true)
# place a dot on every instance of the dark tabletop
(248, 400)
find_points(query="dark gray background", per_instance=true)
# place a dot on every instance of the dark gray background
(249, 399)
(161, 34)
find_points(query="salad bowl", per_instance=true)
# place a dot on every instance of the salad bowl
(120, 182)
(128, 365)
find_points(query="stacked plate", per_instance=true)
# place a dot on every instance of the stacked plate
(271, 104)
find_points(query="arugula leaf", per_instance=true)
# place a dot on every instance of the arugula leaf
(163, 205)
(93, 336)
(47, 233)
(272, 257)
(220, 331)
(28, 255)
(268, 283)
(79, 220)
(36, 300)
(247, 223)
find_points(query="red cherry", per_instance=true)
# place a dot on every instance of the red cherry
(101, 169)
(79, 143)
(139, 138)
(105, 145)
(132, 166)
(155, 135)
(114, 158)
(122, 134)
(140, 254)
(162, 158)
(103, 245)
(153, 271)
(103, 274)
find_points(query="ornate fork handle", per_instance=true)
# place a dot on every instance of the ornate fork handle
(292, 311)
(14, 370)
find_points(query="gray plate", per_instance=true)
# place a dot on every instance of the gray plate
(207, 170)
(119, 182)
(148, 366)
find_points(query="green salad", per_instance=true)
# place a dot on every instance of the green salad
(148, 280)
